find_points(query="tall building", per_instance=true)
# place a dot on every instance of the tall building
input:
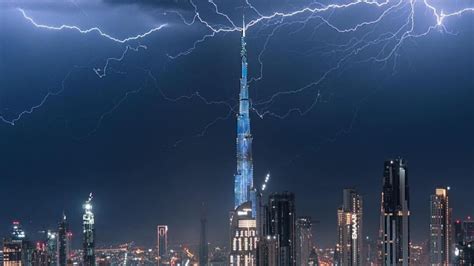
(243, 239)
(370, 251)
(468, 228)
(262, 209)
(464, 254)
(52, 246)
(243, 218)
(17, 249)
(458, 232)
(268, 251)
(420, 253)
(395, 214)
(349, 230)
(463, 242)
(63, 242)
(162, 245)
(304, 240)
(282, 224)
(243, 187)
(40, 255)
(88, 230)
(203, 245)
(440, 228)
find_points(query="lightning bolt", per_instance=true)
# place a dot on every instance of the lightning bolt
(382, 41)
(15, 119)
(102, 72)
(91, 30)
(110, 111)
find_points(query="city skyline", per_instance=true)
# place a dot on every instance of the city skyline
(158, 159)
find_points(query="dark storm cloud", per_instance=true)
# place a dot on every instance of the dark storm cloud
(174, 4)
(49, 5)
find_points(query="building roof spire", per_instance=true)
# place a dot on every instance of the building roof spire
(243, 25)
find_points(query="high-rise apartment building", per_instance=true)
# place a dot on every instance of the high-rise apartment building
(441, 240)
(349, 245)
(304, 240)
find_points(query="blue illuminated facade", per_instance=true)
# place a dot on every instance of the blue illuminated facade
(243, 187)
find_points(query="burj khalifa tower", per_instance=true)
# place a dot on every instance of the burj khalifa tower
(243, 187)
(243, 218)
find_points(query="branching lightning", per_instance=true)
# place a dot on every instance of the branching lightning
(374, 37)
(385, 45)
(91, 30)
(102, 72)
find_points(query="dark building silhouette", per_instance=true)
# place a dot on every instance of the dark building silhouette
(304, 240)
(268, 251)
(463, 242)
(395, 214)
(203, 245)
(458, 232)
(468, 228)
(282, 224)
(63, 242)
(464, 254)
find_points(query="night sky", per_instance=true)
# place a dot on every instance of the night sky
(152, 150)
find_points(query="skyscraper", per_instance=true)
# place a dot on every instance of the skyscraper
(440, 228)
(52, 246)
(458, 232)
(304, 240)
(395, 214)
(243, 186)
(203, 245)
(243, 218)
(88, 230)
(243, 238)
(63, 242)
(349, 230)
(268, 251)
(282, 224)
(370, 251)
(162, 245)
(262, 209)
(17, 249)
(468, 228)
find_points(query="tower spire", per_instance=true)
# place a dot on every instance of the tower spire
(243, 187)
(243, 25)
